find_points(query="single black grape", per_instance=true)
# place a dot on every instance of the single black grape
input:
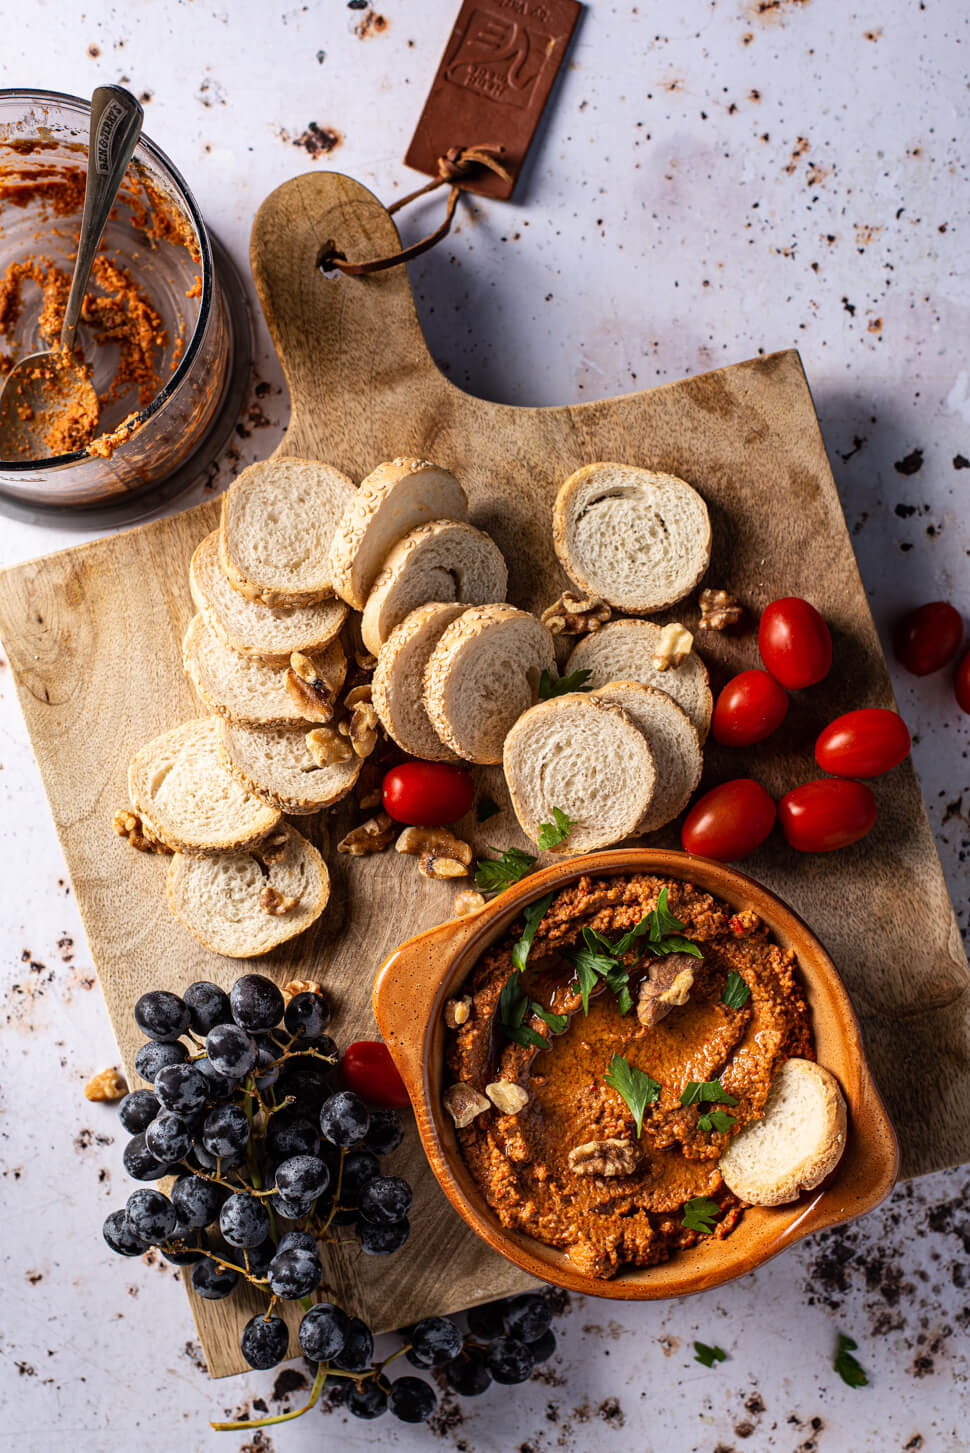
(213, 1281)
(367, 1399)
(386, 1132)
(344, 1119)
(468, 1374)
(307, 1015)
(416, 1360)
(360, 1168)
(295, 1273)
(258, 1258)
(197, 1201)
(323, 1332)
(543, 1347)
(208, 1005)
(256, 1002)
(225, 1130)
(230, 1050)
(386, 1200)
(358, 1349)
(168, 1138)
(510, 1361)
(528, 1316)
(411, 1400)
(291, 1135)
(302, 1177)
(137, 1110)
(382, 1240)
(264, 1341)
(181, 1088)
(243, 1220)
(206, 1161)
(436, 1338)
(120, 1236)
(139, 1162)
(150, 1215)
(291, 1239)
(153, 1057)
(291, 1210)
(307, 1081)
(161, 1015)
(218, 1086)
(488, 1320)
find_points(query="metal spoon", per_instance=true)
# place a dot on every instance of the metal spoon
(52, 388)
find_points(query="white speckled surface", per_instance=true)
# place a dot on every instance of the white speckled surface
(712, 181)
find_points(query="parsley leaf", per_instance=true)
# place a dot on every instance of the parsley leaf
(556, 1022)
(575, 681)
(711, 1092)
(591, 963)
(700, 1213)
(848, 1367)
(485, 808)
(551, 834)
(663, 931)
(635, 1087)
(736, 991)
(708, 1355)
(718, 1120)
(525, 1035)
(512, 1009)
(493, 875)
(533, 916)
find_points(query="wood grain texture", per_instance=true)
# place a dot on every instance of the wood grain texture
(93, 636)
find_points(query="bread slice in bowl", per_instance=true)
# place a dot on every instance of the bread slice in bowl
(246, 903)
(795, 1145)
(278, 519)
(276, 764)
(245, 690)
(585, 757)
(444, 560)
(672, 739)
(179, 786)
(624, 651)
(482, 675)
(393, 500)
(398, 683)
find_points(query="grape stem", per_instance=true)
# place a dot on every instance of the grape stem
(324, 1370)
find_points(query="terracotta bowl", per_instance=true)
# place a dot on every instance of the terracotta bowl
(409, 997)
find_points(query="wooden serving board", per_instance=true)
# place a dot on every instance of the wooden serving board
(93, 636)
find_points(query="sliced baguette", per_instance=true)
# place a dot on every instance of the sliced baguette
(623, 651)
(179, 786)
(392, 501)
(639, 539)
(278, 520)
(586, 757)
(672, 739)
(795, 1145)
(245, 690)
(482, 675)
(269, 633)
(275, 763)
(398, 682)
(445, 560)
(227, 902)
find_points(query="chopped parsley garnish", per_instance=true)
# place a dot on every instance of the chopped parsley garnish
(848, 1367)
(533, 916)
(635, 1087)
(485, 808)
(736, 992)
(601, 959)
(575, 681)
(494, 875)
(708, 1355)
(718, 1120)
(551, 834)
(700, 1214)
(708, 1092)
(513, 1006)
(556, 1022)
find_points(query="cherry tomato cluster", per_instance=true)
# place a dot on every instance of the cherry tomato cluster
(927, 639)
(731, 820)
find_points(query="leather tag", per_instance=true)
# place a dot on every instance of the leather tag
(492, 84)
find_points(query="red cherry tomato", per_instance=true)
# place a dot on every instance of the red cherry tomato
(794, 642)
(368, 1070)
(863, 743)
(427, 794)
(962, 686)
(928, 637)
(750, 708)
(819, 817)
(730, 821)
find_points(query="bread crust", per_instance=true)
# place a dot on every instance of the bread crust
(343, 774)
(639, 638)
(385, 685)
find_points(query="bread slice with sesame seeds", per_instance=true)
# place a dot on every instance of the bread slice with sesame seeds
(798, 1141)
(276, 764)
(243, 689)
(398, 681)
(624, 650)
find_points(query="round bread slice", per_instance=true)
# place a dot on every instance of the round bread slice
(398, 682)
(482, 675)
(444, 560)
(638, 539)
(245, 904)
(243, 689)
(623, 651)
(796, 1144)
(672, 739)
(587, 758)
(269, 633)
(392, 501)
(179, 786)
(278, 520)
(276, 764)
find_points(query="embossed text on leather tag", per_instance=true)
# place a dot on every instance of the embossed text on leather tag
(493, 81)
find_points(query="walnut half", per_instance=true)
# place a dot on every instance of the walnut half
(276, 904)
(464, 1104)
(372, 836)
(673, 647)
(667, 986)
(417, 841)
(310, 689)
(576, 615)
(106, 1085)
(128, 824)
(719, 610)
(300, 986)
(604, 1158)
